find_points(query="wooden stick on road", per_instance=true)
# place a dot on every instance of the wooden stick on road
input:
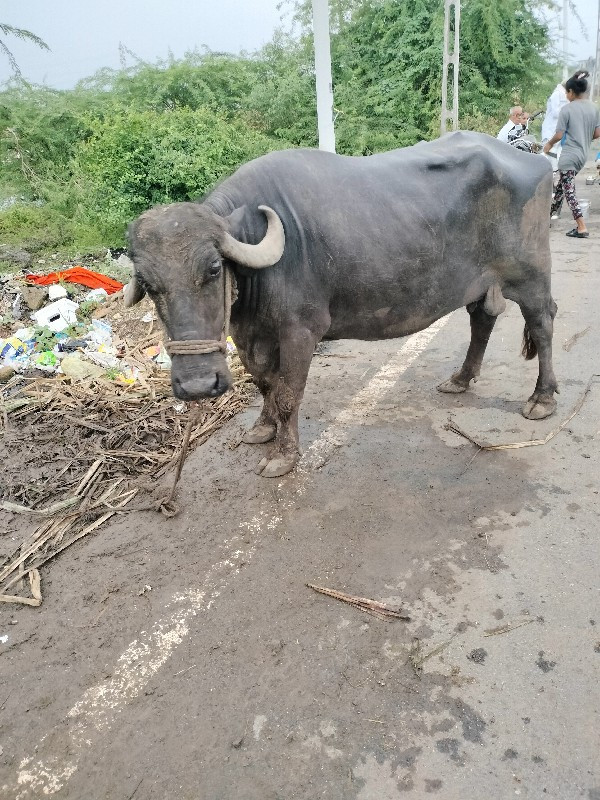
(379, 610)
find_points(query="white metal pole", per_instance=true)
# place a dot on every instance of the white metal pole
(450, 58)
(596, 56)
(323, 75)
(565, 27)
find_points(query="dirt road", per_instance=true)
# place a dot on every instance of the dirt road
(186, 658)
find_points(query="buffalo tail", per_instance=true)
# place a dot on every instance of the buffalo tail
(528, 349)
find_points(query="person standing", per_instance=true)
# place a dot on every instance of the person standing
(556, 101)
(579, 123)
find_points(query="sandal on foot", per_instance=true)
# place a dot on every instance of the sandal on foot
(577, 235)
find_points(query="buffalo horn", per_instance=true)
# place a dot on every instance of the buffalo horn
(265, 253)
(133, 292)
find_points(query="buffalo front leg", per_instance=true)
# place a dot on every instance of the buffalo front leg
(265, 427)
(296, 350)
(537, 339)
(482, 325)
(261, 361)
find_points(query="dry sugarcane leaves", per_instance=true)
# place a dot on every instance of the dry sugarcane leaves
(75, 454)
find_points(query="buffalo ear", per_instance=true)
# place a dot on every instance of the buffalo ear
(235, 220)
(133, 292)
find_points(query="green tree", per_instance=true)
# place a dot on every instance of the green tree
(139, 158)
(387, 66)
(18, 33)
(199, 80)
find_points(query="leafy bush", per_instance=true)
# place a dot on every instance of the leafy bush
(37, 228)
(137, 159)
(41, 128)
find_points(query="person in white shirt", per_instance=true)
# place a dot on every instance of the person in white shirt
(514, 124)
(556, 101)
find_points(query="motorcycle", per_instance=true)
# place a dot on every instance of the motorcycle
(521, 139)
(526, 142)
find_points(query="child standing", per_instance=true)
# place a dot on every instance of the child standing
(579, 123)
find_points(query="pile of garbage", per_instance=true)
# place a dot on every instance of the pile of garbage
(66, 332)
(88, 421)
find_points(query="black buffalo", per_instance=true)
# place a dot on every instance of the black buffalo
(329, 246)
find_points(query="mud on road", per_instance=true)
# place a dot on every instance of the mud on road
(186, 658)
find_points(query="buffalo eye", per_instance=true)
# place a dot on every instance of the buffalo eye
(214, 269)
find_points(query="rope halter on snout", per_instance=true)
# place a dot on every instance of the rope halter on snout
(194, 347)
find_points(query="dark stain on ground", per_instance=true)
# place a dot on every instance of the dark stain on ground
(433, 785)
(509, 754)
(537, 759)
(443, 726)
(407, 758)
(472, 724)
(544, 664)
(450, 747)
(478, 655)
(499, 614)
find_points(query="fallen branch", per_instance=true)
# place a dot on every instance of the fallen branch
(506, 628)
(373, 607)
(452, 426)
(55, 508)
(568, 344)
(34, 585)
(417, 658)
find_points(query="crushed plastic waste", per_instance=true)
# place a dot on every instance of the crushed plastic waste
(13, 348)
(128, 375)
(159, 355)
(96, 295)
(17, 307)
(77, 369)
(56, 291)
(58, 315)
(46, 360)
(70, 345)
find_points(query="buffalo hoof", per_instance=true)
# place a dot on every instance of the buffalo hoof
(278, 466)
(539, 406)
(259, 434)
(452, 386)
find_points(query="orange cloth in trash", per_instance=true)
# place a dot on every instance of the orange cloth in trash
(86, 277)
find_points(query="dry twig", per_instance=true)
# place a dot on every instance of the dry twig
(111, 435)
(379, 610)
(452, 426)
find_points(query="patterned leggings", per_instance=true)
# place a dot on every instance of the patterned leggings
(566, 188)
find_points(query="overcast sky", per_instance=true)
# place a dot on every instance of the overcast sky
(84, 35)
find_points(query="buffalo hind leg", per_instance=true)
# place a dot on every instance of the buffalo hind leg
(482, 325)
(537, 339)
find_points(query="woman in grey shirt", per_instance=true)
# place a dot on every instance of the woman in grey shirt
(579, 123)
